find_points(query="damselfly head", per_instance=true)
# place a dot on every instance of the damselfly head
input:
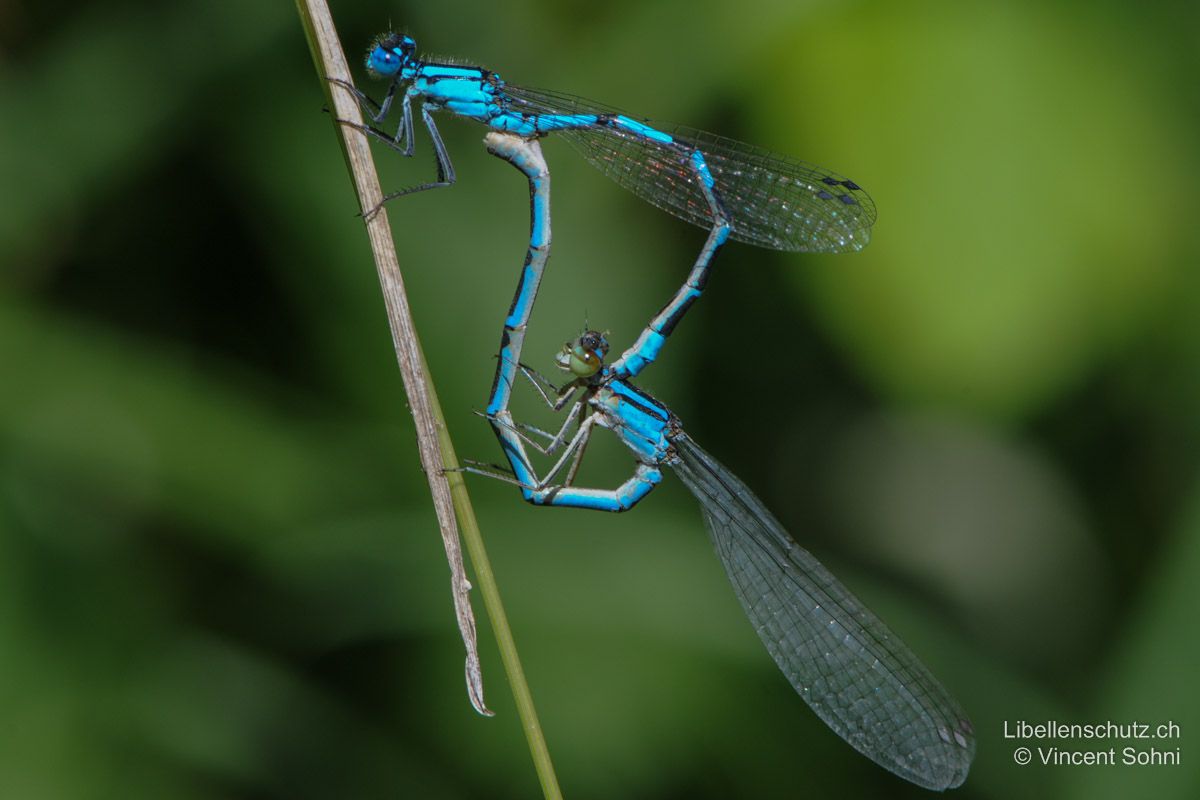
(390, 53)
(585, 356)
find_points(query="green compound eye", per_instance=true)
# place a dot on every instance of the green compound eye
(584, 362)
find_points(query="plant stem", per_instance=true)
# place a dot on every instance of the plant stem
(436, 449)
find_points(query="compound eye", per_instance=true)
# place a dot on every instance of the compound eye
(593, 340)
(383, 60)
(584, 363)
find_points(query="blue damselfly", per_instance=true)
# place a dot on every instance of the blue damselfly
(858, 677)
(733, 189)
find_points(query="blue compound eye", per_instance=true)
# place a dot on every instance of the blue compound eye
(389, 53)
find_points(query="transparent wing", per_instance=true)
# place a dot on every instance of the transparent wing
(855, 674)
(774, 201)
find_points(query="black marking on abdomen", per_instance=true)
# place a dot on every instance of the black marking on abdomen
(670, 322)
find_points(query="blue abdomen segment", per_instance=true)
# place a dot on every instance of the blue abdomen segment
(702, 169)
(641, 354)
(623, 498)
(640, 129)
(538, 124)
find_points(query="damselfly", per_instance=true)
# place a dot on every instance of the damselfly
(842, 660)
(735, 190)
(857, 675)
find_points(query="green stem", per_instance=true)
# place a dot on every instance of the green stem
(448, 489)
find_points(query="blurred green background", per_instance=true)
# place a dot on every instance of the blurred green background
(220, 575)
